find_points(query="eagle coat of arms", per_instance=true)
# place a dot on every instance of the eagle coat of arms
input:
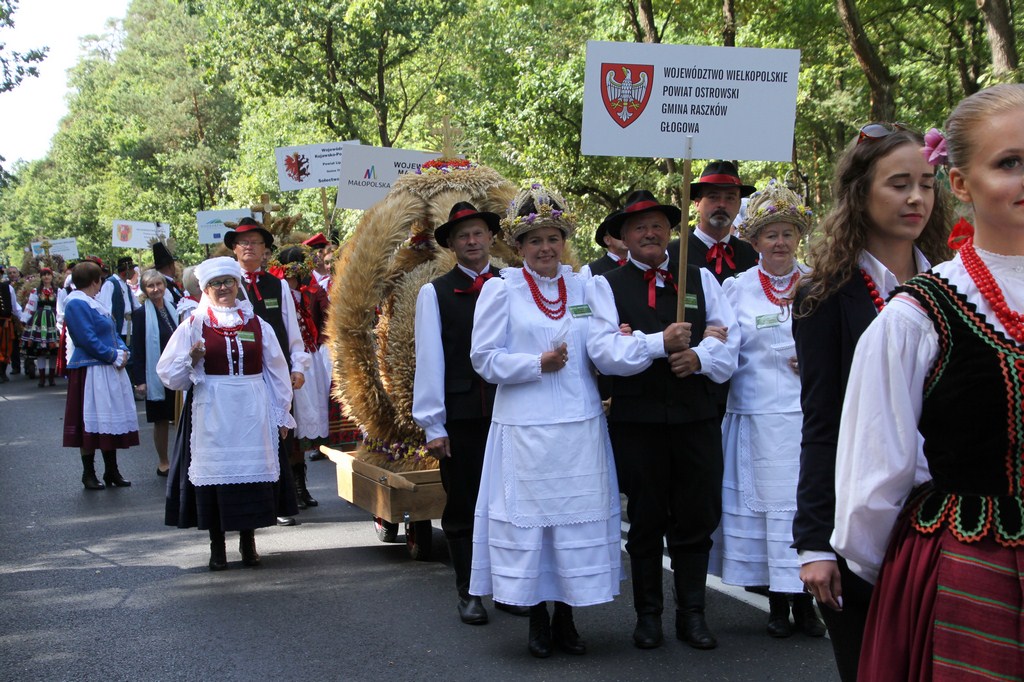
(625, 90)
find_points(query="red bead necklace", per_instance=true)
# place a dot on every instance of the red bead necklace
(876, 298)
(543, 304)
(986, 283)
(776, 295)
(230, 332)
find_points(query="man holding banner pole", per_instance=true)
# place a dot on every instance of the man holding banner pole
(663, 420)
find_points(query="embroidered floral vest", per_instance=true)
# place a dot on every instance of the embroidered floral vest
(972, 420)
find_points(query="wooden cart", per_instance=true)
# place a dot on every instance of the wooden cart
(412, 498)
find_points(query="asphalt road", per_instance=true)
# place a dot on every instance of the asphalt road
(95, 587)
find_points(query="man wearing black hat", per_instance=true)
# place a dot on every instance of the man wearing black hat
(451, 403)
(163, 262)
(663, 420)
(615, 251)
(272, 300)
(712, 245)
(117, 296)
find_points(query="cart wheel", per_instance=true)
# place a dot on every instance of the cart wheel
(419, 538)
(386, 531)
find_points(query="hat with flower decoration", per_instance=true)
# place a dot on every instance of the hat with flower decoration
(776, 203)
(533, 208)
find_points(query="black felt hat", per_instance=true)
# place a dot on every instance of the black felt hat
(602, 230)
(246, 225)
(641, 201)
(720, 174)
(462, 212)
(162, 257)
(125, 263)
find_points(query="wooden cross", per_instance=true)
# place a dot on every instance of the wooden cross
(449, 136)
(265, 208)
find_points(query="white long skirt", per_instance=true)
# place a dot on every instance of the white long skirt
(762, 460)
(310, 402)
(578, 563)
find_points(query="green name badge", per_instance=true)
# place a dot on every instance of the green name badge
(247, 337)
(769, 320)
(691, 302)
(580, 310)
(272, 303)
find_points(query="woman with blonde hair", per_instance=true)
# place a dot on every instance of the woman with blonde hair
(888, 223)
(944, 363)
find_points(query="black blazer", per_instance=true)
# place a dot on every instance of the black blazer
(137, 366)
(825, 342)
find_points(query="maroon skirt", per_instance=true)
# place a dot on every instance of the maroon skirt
(75, 435)
(945, 610)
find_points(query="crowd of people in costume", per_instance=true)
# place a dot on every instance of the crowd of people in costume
(798, 430)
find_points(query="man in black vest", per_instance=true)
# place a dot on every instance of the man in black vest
(616, 251)
(10, 310)
(712, 245)
(163, 262)
(663, 421)
(272, 300)
(117, 296)
(451, 403)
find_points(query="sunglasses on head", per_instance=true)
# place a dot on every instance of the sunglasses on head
(876, 131)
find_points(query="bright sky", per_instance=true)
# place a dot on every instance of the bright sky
(29, 114)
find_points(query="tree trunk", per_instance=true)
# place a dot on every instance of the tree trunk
(646, 17)
(729, 17)
(880, 80)
(999, 25)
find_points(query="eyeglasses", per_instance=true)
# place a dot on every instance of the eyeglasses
(249, 243)
(878, 130)
(222, 283)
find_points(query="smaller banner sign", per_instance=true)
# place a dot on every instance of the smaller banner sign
(66, 248)
(310, 165)
(131, 234)
(211, 223)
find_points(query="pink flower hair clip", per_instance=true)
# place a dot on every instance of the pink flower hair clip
(935, 148)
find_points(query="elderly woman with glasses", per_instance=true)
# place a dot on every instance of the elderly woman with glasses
(225, 469)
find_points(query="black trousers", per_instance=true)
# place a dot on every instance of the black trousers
(846, 627)
(673, 479)
(460, 475)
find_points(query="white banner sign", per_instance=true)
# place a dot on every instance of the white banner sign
(211, 223)
(644, 99)
(129, 234)
(310, 165)
(367, 173)
(67, 248)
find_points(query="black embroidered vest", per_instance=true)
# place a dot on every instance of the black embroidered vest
(602, 265)
(656, 395)
(466, 395)
(6, 307)
(972, 420)
(270, 308)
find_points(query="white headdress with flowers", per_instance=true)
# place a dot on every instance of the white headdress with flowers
(545, 213)
(776, 203)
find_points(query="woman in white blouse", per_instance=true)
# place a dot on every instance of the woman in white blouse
(761, 429)
(225, 469)
(547, 512)
(945, 361)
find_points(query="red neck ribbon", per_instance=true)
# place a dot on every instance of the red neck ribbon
(718, 253)
(651, 277)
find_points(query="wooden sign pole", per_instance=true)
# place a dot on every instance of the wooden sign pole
(684, 231)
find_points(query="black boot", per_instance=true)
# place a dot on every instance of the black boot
(690, 574)
(540, 631)
(3, 373)
(247, 547)
(111, 476)
(805, 617)
(89, 479)
(301, 493)
(778, 615)
(563, 631)
(53, 374)
(471, 608)
(647, 600)
(218, 553)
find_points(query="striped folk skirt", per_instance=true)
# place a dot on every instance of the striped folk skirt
(945, 610)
